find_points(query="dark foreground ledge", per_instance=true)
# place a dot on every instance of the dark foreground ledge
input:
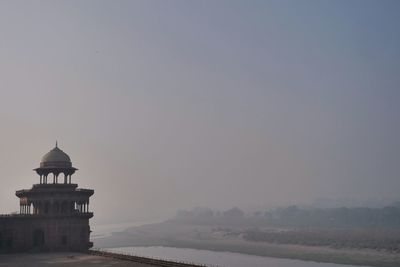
(149, 261)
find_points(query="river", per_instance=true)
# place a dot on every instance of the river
(220, 259)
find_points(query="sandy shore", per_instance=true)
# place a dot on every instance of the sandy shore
(63, 259)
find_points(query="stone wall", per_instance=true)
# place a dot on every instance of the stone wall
(19, 233)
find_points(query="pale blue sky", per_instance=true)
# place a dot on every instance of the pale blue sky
(174, 104)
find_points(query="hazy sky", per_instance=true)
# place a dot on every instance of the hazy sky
(164, 105)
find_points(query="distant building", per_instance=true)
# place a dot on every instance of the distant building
(54, 214)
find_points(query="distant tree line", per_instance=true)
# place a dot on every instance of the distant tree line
(385, 239)
(295, 217)
(388, 217)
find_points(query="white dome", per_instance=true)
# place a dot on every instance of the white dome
(56, 158)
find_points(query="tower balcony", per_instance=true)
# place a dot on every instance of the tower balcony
(38, 189)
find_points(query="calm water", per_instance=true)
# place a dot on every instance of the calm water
(213, 258)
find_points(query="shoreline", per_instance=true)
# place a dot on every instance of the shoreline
(197, 238)
(314, 254)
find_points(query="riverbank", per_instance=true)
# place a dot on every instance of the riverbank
(203, 237)
(316, 254)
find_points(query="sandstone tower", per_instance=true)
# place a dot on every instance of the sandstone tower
(54, 214)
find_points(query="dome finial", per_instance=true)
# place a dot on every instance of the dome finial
(56, 144)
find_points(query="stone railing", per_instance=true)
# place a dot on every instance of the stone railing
(144, 260)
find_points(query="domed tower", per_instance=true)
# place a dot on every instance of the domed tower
(57, 211)
(55, 162)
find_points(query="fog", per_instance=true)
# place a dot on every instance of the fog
(167, 105)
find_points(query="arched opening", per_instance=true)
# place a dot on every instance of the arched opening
(38, 238)
(64, 240)
(84, 233)
(39, 208)
(71, 207)
(56, 207)
(64, 206)
(56, 176)
(9, 244)
(46, 207)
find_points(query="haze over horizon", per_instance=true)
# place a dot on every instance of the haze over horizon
(166, 105)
